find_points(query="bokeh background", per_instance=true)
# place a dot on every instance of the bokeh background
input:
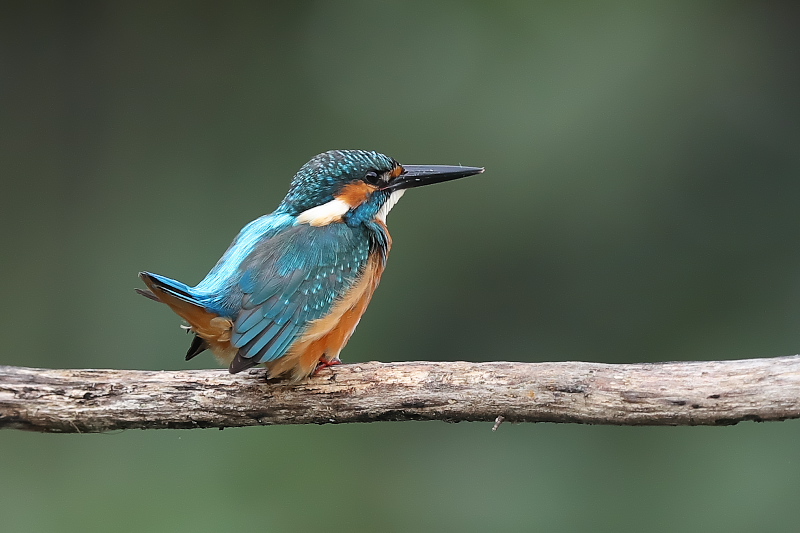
(640, 204)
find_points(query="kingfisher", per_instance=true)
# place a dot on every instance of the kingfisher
(292, 286)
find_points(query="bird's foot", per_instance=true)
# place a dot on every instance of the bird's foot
(325, 364)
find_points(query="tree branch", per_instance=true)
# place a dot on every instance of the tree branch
(680, 393)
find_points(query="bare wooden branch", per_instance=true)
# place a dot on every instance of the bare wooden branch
(680, 393)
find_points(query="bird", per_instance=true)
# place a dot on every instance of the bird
(292, 286)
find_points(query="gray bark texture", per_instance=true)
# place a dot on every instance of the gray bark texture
(678, 393)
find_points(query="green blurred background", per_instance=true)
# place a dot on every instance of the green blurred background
(639, 204)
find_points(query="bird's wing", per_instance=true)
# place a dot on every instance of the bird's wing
(289, 280)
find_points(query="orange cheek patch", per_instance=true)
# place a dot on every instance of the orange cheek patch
(396, 171)
(356, 193)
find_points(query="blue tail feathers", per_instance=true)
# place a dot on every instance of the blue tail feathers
(172, 287)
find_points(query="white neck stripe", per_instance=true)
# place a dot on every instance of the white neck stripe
(324, 214)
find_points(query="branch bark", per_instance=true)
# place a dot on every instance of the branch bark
(679, 393)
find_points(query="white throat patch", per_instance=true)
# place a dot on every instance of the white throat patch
(389, 204)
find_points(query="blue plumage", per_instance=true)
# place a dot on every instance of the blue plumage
(214, 289)
(318, 256)
(300, 273)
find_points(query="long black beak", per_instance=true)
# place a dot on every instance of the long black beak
(419, 175)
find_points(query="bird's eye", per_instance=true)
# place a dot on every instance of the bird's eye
(371, 177)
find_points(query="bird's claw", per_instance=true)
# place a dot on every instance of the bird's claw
(325, 364)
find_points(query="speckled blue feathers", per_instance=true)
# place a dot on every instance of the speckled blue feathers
(317, 181)
(291, 280)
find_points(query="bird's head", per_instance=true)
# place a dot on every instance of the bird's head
(356, 186)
